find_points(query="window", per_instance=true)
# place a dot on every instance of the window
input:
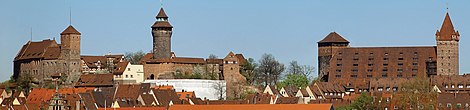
(128, 69)
(370, 76)
(399, 75)
(385, 70)
(385, 64)
(395, 107)
(338, 70)
(415, 53)
(338, 76)
(400, 58)
(339, 59)
(449, 105)
(459, 105)
(401, 53)
(400, 64)
(460, 86)
(371, 58)
(356, 64)
(384, 75)
(452, 86)
(388, 89)
(414, 70)
(370, 70)
(386, 54)
(415, 64)
(394, 89)
(354, 76)
(385, 58)
(370, 64)
(413, 75)
(187, 95)
(468, 86)
(354, 70)
(380, 89)
(415, 58)
(355, 59)
(339, 64)
(400, 70)
(127, 76)
(447, 86)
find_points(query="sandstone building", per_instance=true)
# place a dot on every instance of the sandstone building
(45, 58)
(164, 64)
(338, 62)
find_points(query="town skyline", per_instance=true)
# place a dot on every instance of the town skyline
(246, 31)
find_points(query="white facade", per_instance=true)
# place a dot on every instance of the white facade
(131, 74)
(202, 88)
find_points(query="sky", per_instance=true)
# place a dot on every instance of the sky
(288, 29)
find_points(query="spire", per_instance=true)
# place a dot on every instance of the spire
(162, 20)
(70, 30)
(447, 30)
(161, 14)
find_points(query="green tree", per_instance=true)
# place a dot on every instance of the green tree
(247, 70)
(134, 57)
(363, 102)
(24, 83)
(296, 80)
(416, 93)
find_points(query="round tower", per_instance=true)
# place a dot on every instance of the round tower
(161, 32)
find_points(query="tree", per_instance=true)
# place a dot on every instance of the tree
(295, 80)
(134, 57)
(221, 89)
(269, 70)
(363, 102)
(416, 93)
(247, 70)
(295, 68)
(24, 83)
(212, 56)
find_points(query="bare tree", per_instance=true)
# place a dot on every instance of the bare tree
(306, 70)
(212, 56)
(221, 87)
(134, 57)
(269, 69)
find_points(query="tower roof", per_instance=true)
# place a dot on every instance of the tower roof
(70, 30)
(333, 37)
(447, 29)
(162, 14)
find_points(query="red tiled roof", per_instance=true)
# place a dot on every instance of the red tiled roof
(38, 95)
(37, 50)
(447, 29)
(70, 30)
(95, 80)
(121, 67)
(182, 95)
(254, 107)
(162, 14)
(333, 37)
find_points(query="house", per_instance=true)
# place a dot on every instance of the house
(255, 107)
(271, 90)
(453, 101)
(288, 91)
(127, 73)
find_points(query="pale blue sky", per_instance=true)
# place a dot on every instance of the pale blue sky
(288, 29)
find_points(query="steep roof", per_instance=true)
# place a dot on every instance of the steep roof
(333, 37)
(165, 96)
(162, 14)
(45, 49)
(70, 30)
(287, 100)
(164, 24)
(95, 80)
(121, 67)
(447, 29)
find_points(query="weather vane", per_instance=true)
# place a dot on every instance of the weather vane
(161, 3)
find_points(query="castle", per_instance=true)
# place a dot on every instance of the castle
(351, 66)
(43, 59)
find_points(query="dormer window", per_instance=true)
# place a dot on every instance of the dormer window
(162, 19)
(460, 86)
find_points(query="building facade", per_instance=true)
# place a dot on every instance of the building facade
(350, 66)
(42, 59)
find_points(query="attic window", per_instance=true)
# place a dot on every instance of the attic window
(468, 86)
(460, 86)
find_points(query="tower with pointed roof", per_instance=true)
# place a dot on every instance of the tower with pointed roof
(447, 40)
(326, 49)
(70, 53)
(161, 32)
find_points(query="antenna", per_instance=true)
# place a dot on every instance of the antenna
(70, 13)
(31, 34)
(447, 7)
